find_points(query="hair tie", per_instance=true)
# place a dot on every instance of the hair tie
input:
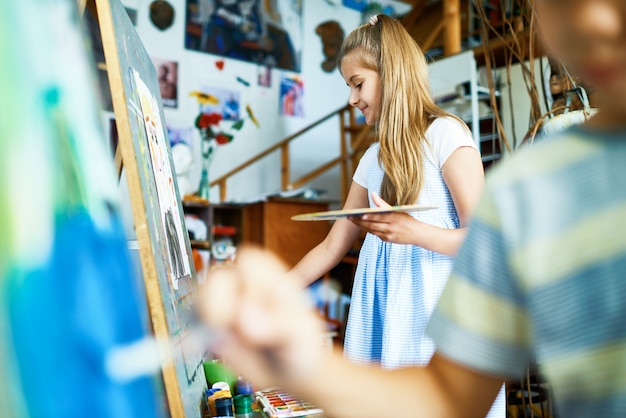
(374, 20)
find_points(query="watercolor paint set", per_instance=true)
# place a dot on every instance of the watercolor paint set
(280, 404)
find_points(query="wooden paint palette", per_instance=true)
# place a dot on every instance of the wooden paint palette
(344, 213)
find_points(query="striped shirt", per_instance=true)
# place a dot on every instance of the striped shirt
(542, 274)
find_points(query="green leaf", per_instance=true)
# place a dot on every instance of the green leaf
(237, 125)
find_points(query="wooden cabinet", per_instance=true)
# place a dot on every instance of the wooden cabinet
(267, 224)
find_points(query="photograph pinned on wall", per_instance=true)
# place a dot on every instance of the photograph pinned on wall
(291, 95)
(264, 75)
(267, 32)
(222, 101)
(167, 74)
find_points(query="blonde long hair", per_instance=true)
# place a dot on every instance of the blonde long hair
(406, 102)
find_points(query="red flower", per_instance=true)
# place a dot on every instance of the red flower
(205, 120)
(223, 138)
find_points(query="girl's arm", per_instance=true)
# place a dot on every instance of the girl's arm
(329, 252)
(463, 174)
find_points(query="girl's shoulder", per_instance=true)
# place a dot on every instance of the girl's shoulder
(445, 135)
(370, 153)
(447, 126)
(370, 156)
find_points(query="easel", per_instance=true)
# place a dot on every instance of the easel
(167, 269)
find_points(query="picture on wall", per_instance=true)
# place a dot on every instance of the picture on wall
(180, 135)
(267, 32)
(223, 101)
(264, 76)
(291, 95)
(167, 74)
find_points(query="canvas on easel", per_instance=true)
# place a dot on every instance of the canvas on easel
(164, 248)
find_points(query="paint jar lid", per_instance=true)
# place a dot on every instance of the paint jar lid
(221, 386)
(243, 404)
(224, 407)
(244, 387)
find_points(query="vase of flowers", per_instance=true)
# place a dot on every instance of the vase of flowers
(214, 131)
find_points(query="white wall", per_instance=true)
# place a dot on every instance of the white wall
(323, 94)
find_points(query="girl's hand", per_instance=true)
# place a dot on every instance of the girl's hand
(396, 227)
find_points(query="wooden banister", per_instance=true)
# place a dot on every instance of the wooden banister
(275, 147)
(355, 133)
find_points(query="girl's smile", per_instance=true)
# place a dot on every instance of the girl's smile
(364, 86)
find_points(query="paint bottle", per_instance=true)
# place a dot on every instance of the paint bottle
(244, 387)
(208, 394)
(243, 406)
(224, 408)
(215, 396)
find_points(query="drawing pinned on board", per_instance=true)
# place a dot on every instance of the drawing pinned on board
(178, 259)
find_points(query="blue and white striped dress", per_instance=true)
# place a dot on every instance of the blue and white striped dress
(397, 286)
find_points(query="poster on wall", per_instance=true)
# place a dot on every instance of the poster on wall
(222, 101)
(167, 74)
(267, 32)
(264, 76)
(180, 135)
(291, 95)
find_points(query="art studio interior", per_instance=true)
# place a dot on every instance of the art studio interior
(151, 144)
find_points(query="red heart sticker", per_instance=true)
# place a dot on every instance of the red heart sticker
(220, 64)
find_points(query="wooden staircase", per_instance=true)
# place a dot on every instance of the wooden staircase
(354, 139)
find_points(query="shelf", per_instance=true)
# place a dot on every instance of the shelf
(490, 157)
(204, 245)
(489, 137)
(480, 119)
(196, 203)
(497, 48)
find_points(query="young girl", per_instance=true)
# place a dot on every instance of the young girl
(424, 155)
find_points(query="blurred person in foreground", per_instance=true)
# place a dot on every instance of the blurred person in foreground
(541, 274)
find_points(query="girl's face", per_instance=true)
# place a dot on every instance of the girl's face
(364, 88)
(589, 36)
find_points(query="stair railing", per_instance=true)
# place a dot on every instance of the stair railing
(354, 138)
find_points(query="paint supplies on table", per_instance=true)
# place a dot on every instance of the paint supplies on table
(280, 404)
